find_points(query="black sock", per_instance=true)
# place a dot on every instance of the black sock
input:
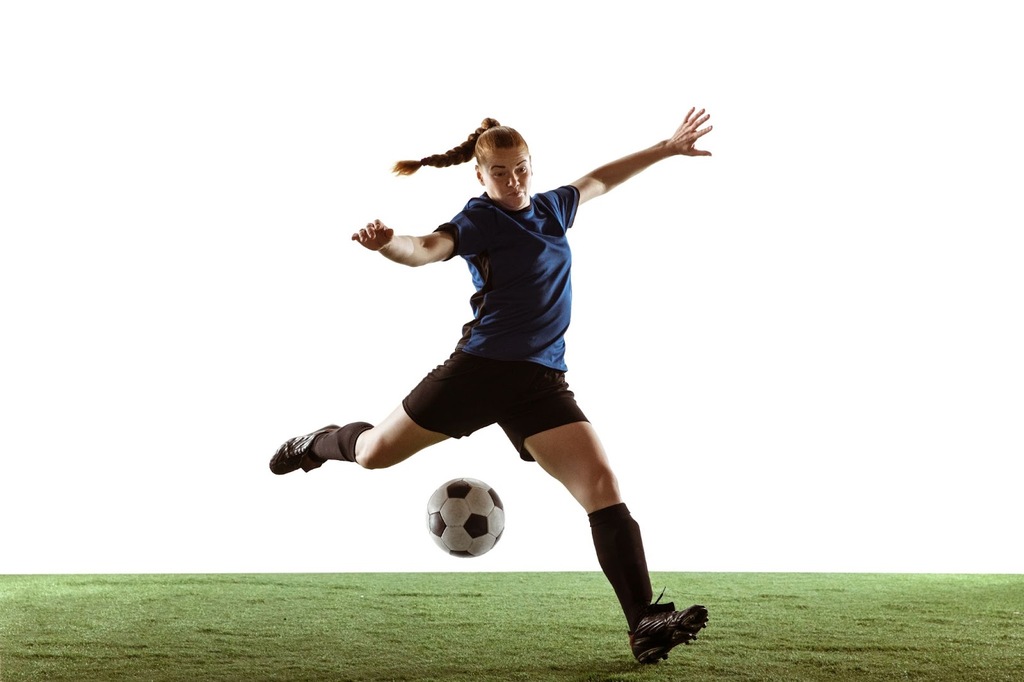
(340, 444)
(620, 551)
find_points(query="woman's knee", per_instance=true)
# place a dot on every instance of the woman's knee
(372, 453)
(602, 490)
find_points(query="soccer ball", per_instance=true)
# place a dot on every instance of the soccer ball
(465, 517)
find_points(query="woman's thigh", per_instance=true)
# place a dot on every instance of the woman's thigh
(394, 440)
(573, 455)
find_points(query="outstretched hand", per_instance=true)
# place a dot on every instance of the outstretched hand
(689, 132)
(375, 236)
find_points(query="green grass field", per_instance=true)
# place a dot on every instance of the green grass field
(504, 626)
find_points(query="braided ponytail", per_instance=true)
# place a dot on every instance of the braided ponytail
(456, 155)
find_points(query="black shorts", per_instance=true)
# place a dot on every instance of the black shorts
(468, 392)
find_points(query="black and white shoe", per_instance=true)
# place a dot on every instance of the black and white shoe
(662, 627)
(297, 453)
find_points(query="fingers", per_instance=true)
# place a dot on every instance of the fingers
(694, 119)
(690, 129)
(376, 236)
(699, 119)
(370, 232)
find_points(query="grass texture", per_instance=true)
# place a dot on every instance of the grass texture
(504, 626)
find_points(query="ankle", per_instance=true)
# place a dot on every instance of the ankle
(341, 443)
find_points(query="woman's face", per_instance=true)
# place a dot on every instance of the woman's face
(506, 175)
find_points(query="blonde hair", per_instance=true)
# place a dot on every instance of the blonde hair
(490, 136)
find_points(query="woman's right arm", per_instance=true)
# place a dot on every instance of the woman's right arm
(404, 249)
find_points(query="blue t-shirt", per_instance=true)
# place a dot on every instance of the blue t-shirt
(520, 263)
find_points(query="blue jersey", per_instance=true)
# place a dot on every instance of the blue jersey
(520, 263)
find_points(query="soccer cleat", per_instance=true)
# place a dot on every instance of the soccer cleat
(662, 627)
(297, 453)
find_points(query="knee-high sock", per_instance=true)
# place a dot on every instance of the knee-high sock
(340, 444)
(620, 551)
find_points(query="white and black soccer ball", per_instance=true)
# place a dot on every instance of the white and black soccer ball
(465, 517)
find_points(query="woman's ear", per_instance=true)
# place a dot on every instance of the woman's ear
(479, 174)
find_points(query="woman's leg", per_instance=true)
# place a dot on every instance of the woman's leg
(394, 440)
(573, 454)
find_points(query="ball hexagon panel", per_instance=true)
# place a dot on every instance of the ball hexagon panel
(496, 521)
(456, 539)
(455, 511)
(480, 500)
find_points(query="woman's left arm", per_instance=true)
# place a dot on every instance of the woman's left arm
(602, 180)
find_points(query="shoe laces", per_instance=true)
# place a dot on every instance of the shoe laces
(657, 607)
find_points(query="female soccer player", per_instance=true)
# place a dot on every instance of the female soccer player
(509, 366)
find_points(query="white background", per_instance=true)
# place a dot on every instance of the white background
(803, 353)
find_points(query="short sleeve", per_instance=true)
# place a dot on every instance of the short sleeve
(469, 238)
(568, 201)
